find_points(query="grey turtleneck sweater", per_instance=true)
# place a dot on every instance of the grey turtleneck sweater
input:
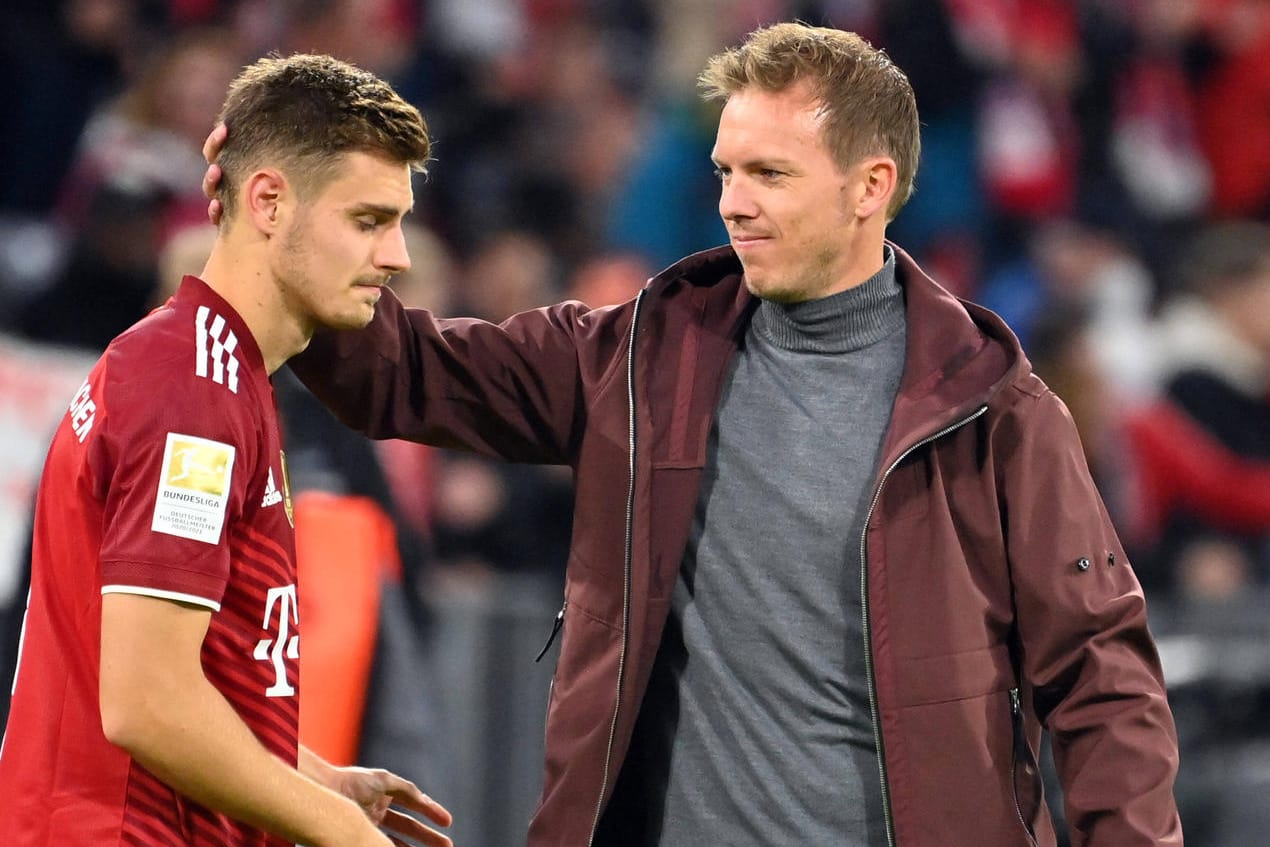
(756, 728)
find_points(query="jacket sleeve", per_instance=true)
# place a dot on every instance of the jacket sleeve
(512, 390)
(1087, 655)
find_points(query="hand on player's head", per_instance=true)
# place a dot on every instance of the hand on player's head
(211, 149)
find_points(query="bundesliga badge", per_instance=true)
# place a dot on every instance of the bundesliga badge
(193, 488)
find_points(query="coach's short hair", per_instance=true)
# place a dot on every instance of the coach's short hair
(868, 101)
(303, 113)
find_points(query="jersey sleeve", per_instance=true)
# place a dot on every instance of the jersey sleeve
(175, 453)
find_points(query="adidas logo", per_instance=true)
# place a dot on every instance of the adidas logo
(272, 495)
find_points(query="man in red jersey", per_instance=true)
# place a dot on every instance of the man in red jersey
(156, 697)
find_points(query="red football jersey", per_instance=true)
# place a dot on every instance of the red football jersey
(165, 478)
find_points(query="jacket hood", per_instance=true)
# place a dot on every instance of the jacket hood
(960, 356)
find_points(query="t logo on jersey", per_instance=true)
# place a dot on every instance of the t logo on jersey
(285, 645)
(193, 489)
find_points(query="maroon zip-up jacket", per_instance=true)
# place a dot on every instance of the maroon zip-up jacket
(997, 596)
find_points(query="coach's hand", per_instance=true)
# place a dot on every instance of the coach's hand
(211, 149)
(377, 791)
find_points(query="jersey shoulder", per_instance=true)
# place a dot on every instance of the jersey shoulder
(186, 355)
(186, 342)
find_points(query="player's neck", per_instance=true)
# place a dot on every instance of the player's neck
(245, 281)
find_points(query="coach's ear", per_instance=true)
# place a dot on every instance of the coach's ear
(265, 196)
(211, 180)
(874, 182)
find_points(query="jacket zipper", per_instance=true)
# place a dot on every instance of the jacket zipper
(555, 630)
(626, 566)
(868, 630)
(1016, 723)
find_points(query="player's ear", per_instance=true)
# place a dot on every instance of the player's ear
(264, 194)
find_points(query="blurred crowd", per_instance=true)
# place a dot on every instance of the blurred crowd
(1097, 171)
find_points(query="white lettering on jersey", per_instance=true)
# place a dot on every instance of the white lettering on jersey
(272, 495)
(219, 353)
(193, 488)
(285, 646)
(82, 411)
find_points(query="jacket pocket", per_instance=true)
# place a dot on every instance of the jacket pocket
(595, 590)
(1024, 776)
(954, 676)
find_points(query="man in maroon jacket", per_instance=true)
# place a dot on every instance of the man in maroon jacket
(837, 557)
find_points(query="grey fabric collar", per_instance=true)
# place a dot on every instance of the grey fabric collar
(842, 322)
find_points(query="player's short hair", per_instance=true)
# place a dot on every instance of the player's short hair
(303, 113)
(869, 104)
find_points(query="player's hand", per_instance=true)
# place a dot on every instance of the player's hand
(211, 149)
(377, 791)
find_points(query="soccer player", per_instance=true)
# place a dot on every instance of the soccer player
(156, 699)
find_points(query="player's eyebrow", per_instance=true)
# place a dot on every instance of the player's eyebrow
(379, 210)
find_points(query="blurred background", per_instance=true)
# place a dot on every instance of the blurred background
(1097, 171)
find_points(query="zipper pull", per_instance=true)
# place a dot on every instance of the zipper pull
(555, 630)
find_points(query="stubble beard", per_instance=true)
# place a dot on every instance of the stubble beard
(299, 289)
(766, 286)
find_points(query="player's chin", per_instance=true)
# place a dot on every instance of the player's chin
(356, 318)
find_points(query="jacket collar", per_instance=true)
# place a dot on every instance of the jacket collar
(959, 355)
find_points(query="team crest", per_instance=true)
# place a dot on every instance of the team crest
(286, 488)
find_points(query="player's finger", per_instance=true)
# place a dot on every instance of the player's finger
(403, 824)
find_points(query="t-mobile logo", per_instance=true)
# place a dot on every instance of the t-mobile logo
(285, 646)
